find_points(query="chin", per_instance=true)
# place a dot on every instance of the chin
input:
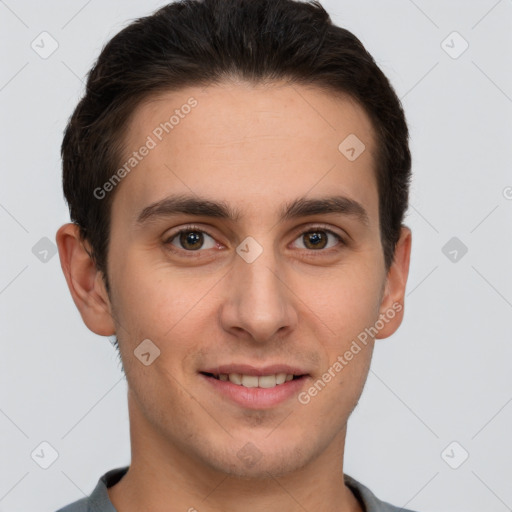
(252, 463)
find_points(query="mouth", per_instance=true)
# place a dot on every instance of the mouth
(255, 388)
(255, 381)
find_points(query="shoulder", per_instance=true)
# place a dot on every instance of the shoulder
(81, 505)
(98, 501)
(369, 501)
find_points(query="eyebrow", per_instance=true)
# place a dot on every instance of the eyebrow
(203, 207)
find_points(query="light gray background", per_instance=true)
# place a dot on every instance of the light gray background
(443, 377)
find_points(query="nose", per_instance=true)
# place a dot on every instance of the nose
(259, 303)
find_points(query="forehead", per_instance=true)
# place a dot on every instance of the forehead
(251, 146)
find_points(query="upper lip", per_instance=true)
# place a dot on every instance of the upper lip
(247, 369)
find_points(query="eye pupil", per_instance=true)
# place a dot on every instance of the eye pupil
(316, 239)
(191, 240)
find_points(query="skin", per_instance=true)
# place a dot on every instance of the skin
(256, 148)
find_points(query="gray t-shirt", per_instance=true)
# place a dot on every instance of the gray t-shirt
(99, 501)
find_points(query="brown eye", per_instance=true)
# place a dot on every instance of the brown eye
(317, 239)
(192, 240)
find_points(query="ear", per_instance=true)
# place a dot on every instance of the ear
(392, 303)
(84, 280)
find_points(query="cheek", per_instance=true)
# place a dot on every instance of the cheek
(169, 307)
(346, 300)
(353, 308)
(333, 395)
(145, 292)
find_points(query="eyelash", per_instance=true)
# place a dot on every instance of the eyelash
(192, 228)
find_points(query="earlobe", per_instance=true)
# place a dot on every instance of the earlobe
(392, 304)
(84, 281)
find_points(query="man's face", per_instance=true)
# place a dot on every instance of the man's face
(285, 297)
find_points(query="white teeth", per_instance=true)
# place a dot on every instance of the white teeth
(281, 378)
(267, 381)
(235, 378)
(250, 381)
(253, 381)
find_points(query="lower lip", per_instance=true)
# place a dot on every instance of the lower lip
(257, 398)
